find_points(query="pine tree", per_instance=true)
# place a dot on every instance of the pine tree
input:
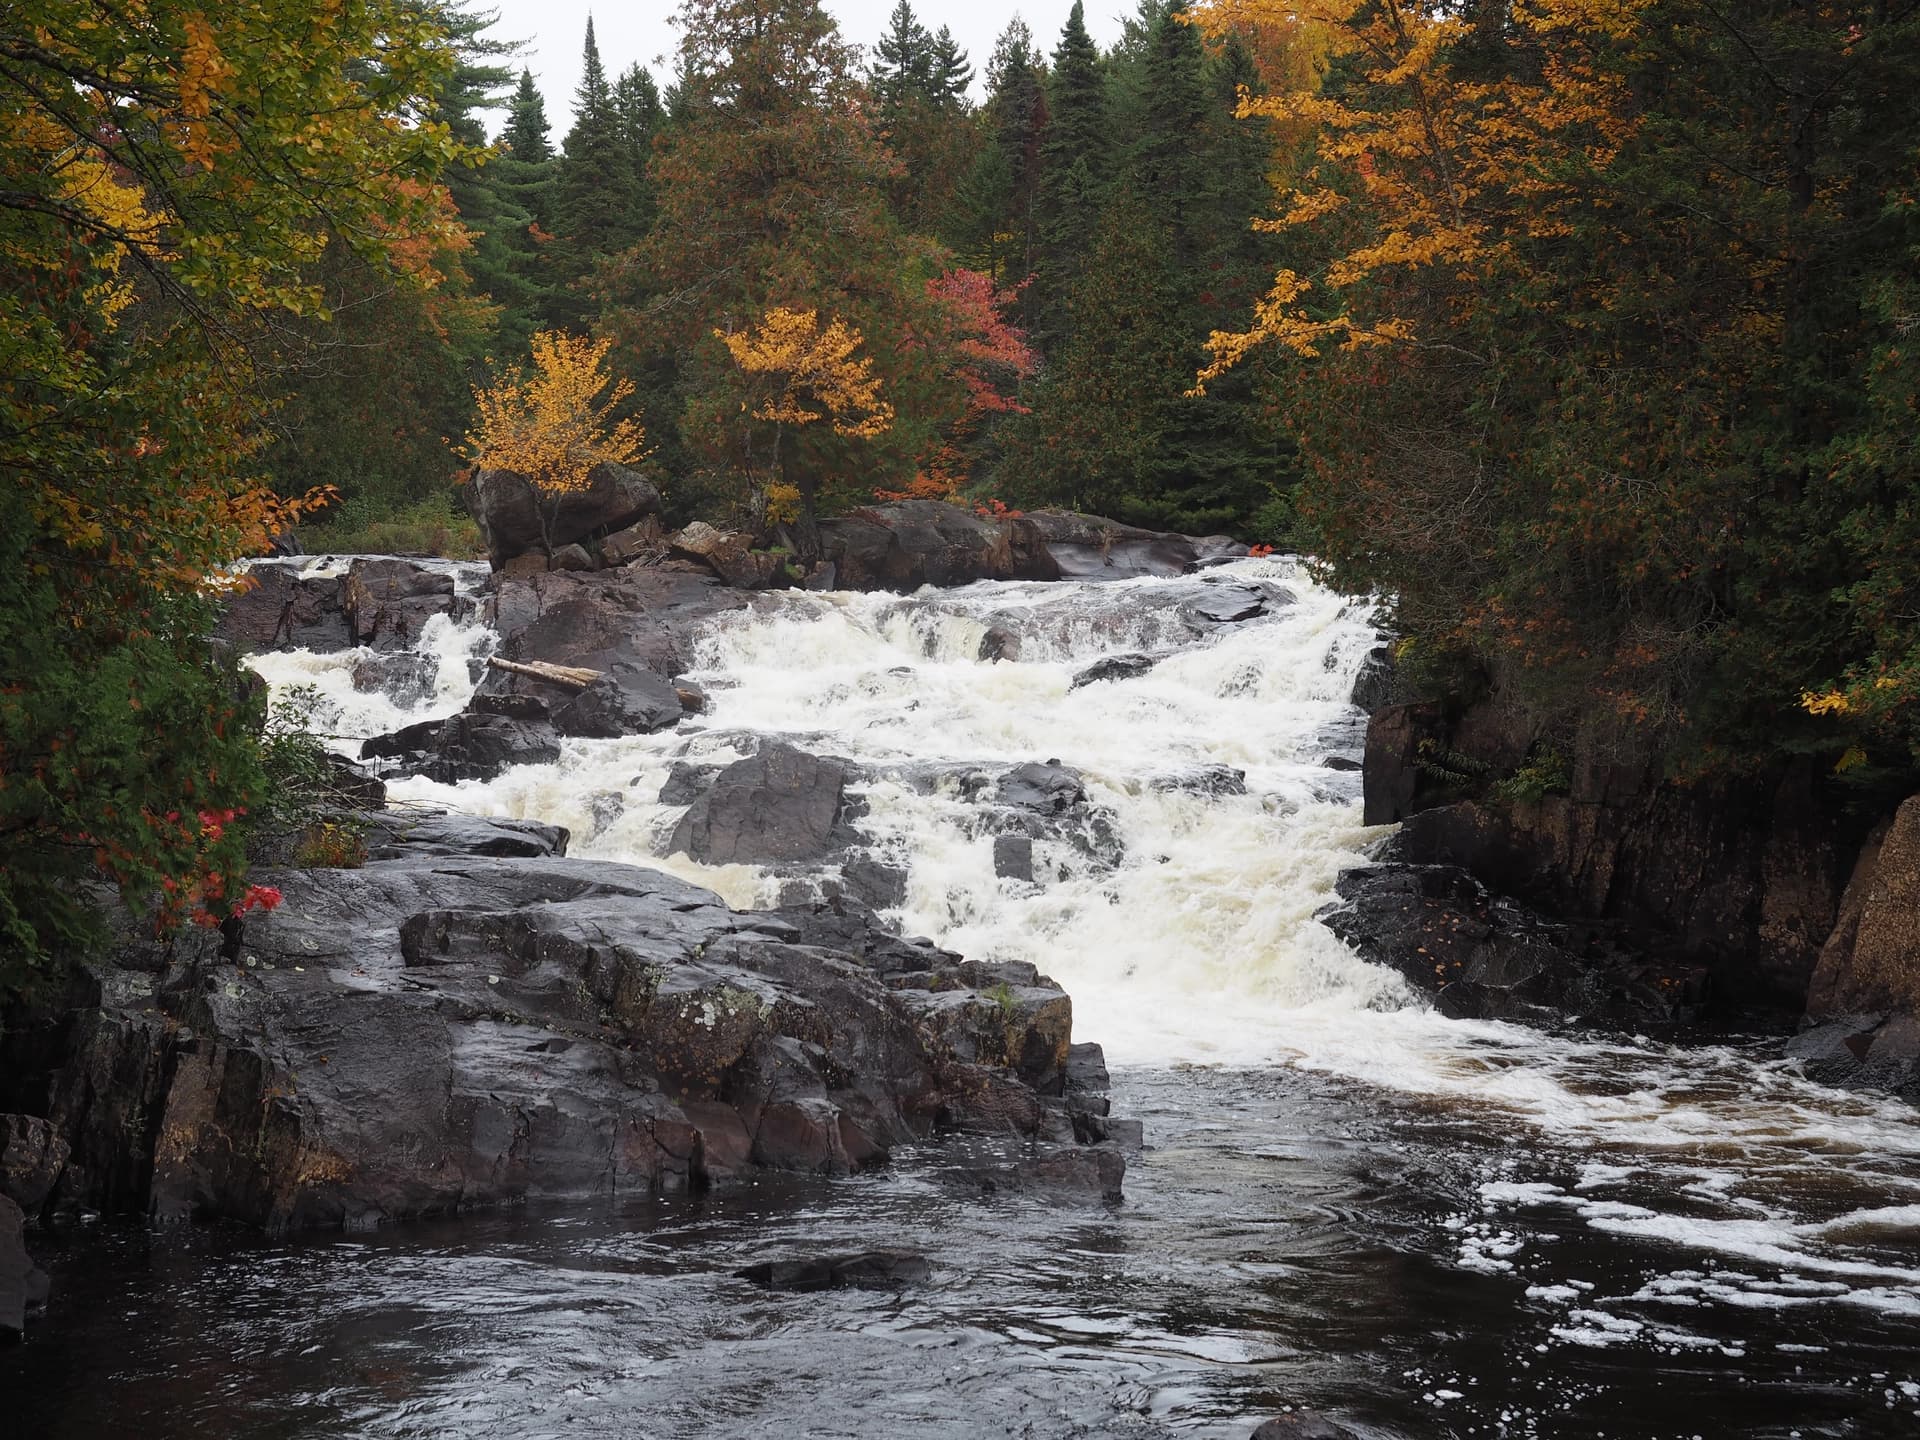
(902, 71)
(948, 73)
(991, 224)
(636, 101)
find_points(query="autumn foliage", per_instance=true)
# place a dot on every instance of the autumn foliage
(555, 421)
(167, 178)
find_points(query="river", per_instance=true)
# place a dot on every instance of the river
(1347, 1203)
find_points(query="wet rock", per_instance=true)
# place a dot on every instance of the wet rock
(823, 576)
(1114, 667)
(873, 883)
(23, 1285)
(1875, 1051)
(999, 643)
(405, 677)
(1013, 857)
(626, 700)
(1048, 789)
(1485, 957)
(1049, 801)
(32, 1154)
(389, 601)
(1065, 546)
(779, 805)
(444, 1029)
(510, 514)
(686, 783)
(645, 615)
(281, 608)
(1063, 1174)
(910, 543)
(1221, 602)
(868, 1270)
(1378, 684)
(399, 833)
(1344, 763)
(468, 746)
(1204, 780)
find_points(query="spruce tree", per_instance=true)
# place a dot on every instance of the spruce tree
(593, 194)
(527, 129)
(1075, 156)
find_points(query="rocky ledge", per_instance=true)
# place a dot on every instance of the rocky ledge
(477, 1019)
(1606, 893)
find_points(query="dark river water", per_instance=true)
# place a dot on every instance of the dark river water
(1287, 1240)
(1347, 1203)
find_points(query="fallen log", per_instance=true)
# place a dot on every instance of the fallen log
(574, 677)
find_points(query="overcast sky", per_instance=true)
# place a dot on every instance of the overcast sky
(630, 30)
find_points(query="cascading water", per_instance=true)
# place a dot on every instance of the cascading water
(1433, 1227)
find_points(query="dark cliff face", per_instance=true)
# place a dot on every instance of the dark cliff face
(1742, 876)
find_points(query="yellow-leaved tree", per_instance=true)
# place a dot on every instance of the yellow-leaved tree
(553, 423)
(803, 392)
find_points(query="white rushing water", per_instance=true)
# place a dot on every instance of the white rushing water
(1200, 947)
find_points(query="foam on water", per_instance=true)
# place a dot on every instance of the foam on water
(1201, 946)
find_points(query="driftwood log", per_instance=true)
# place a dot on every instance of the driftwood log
(578, 677)
(574, 677)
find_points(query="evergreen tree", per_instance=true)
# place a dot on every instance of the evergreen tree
(992, 224)
(593, 192)
(527, 130)
(636, 101)
(1075, 161)
(948, 73)
(902, 71)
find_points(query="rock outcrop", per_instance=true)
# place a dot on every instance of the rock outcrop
(1485, 957)
(1742, 876)
(1863, 1007)
(443, 1029)
(382, 603)
(516, 521)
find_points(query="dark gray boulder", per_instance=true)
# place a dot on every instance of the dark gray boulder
(32, 1154)
(1113, 667)
(388, 601)
(473, 745)
(778, 806)
(395, 834)
(868, 1270)
(516, 521)
(626, 700)
(280, 607)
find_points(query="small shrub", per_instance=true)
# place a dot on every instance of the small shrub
(1544, 773)
(336, 844)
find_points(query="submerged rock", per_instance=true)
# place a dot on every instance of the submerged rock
(473, 745)
(868, 1270)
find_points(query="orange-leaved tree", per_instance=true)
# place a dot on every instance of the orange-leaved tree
(167, 178)
(806, 399)
(553, 423)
